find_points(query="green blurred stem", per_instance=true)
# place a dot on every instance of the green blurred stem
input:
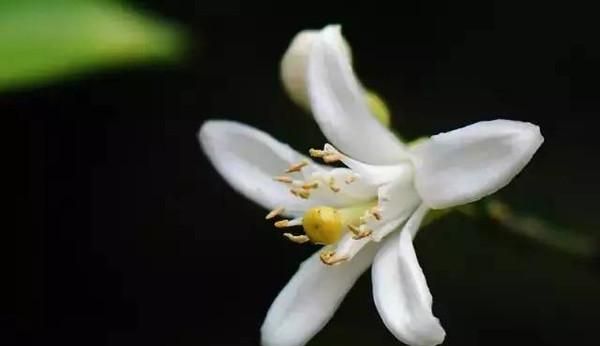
(533, 228)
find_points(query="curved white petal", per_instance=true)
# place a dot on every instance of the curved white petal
(294, 64)
(374, 174)
(339, 105)
(249, 159)
(397, 201)
(311, 298)
(467, 164)
(400, 290)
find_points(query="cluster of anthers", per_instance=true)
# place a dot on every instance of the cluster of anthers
(324, 225)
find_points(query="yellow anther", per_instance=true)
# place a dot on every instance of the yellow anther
(316, 152)
(282, 223)
(323, 225)
(274, 213)
(297, 167)
(332, 186)
(354, 229)
(359, 232)
(350, 179)
(376, 212)
(283, 179)
(300, 239)
(300, 192)
(310, 185)
(329, 258)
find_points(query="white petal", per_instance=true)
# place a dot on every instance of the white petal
(396, 202)
(249, 159)
(294, 64)
(359, 191)
(400, 290)
(311, 298)
(374, 174)
(347, 247)
(339, 105)
(470, 163)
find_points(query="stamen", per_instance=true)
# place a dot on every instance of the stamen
(317, 152)
(332, 185)
(350, 179)
(300, 192)
(310, 185)
(274, 213)
(328, 257)
(329, 158)
(297, 167)
(359, 232)
(376, 211)
(283, 179)
(299, 239)
(288, 223)
(282, 223)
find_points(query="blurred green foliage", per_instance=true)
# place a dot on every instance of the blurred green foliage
(42, 40)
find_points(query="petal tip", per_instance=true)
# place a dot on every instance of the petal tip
(204, 132)
(467, 164)
(211, 130)
(292, 67)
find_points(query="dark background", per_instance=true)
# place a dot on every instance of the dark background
(127, 236)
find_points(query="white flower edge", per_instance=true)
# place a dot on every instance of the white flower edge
(400, 290)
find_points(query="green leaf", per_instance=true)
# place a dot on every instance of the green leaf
(42, 40)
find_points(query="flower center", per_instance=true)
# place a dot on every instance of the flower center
(326, 225)
(323, 225)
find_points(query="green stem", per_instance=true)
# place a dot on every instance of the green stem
(535, 229)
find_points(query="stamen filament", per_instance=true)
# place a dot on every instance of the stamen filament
(274, 213)
(288, 223)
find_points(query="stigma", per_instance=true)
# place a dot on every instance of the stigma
(323, 225)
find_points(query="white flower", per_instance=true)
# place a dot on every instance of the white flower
(368, 213)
